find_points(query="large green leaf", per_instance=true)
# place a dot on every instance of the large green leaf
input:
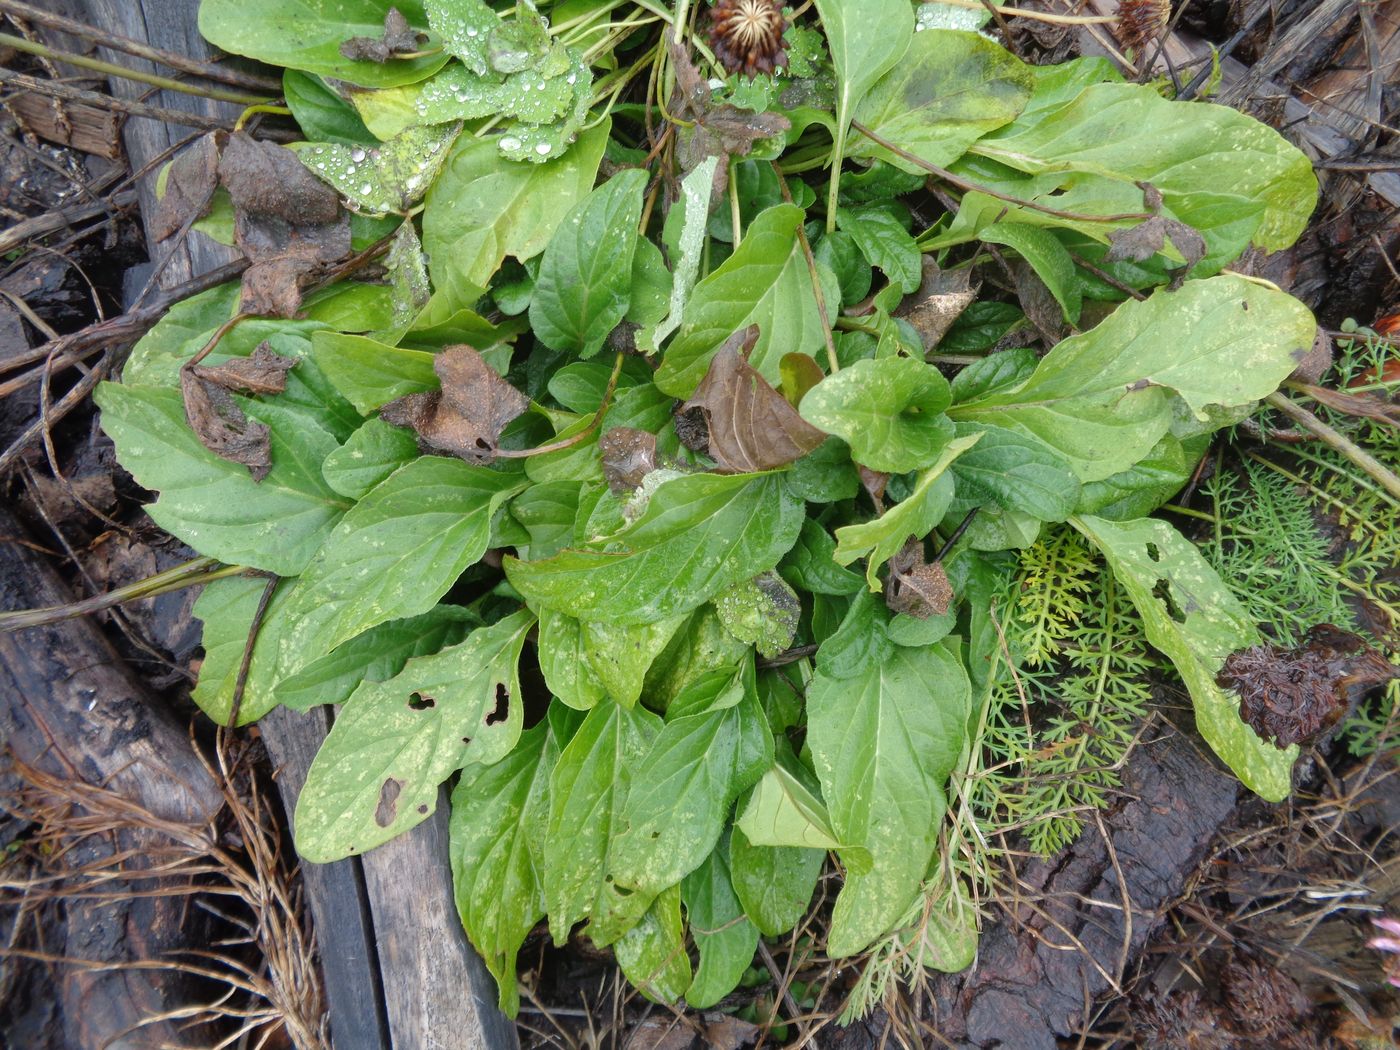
(620, 656)
(213, 504)
(1129, 132)
(395, 742)
(723, 935)
(369, 373)
(684, 788)
(584, 287)
(913, 517)
(949, 90)
(307, 34)
(1103, 399)
(652, 954)
(499, 817)
(1047, 256)
(884, 243)
(484, 207)
(1016, 472)
(774, 883)
(564, 662)
(395, 554)
(587, 791)
(227, 608)
(890, 411)
(368, 456)
(884, 743)
(699, 534)
(376, 655)
(765, 282)
(1189, 614)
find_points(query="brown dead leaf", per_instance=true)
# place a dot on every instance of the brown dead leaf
(1363, 406)
(726, 1032)
(915, 586)
(1289, 696)
(466, 418)
(264, 371)
(1148, 237)
(629, 455)
(751, 426)
(1038, 302)
(940, 300)
(398, 38)
(190, 183)
(286, 221)
(874, 482)
(222, 427)
(1313, 365)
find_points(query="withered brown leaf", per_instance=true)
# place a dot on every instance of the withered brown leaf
(264, 371)
(190, 183)
(941, 298)
(628, 455)
(1148, 237)
(751, 426)
(398, 38)
(286, 221)
(467, 416)
(1289, 696)
(915, 586)
(222, 427)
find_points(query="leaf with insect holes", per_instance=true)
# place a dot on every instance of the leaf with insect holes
(394, 554)
(391, 177)
(378, 772)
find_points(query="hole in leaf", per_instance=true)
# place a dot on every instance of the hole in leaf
(1153, 552)
(388, 807)
(419, 702)
(498, 714)
(1163, 593)
(466, 741)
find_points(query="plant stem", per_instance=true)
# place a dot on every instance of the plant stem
(94, 98)
(185, 64)
(200, 570)
(972, 187)
(1344, 445)
(111, 69)
(583, 435)
(734, 218)
(1039, 16)
(831, 359)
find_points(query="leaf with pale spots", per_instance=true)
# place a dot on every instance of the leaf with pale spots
(391, 177)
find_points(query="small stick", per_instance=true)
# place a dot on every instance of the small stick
(241, 682)
(1348, 448)
(185, 64)
(94, 98)
(825, 317)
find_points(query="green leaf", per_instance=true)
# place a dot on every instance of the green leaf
(763, 612)
(699, 647)
(391, 177)
(915, 516)
(1138, 491)
(374, 656)
(213, 504)
(1129, 132)
(584, 287)
(227, 608)
(564, 662)
(484, 207)
(765, 282)
(684, 787)
(369, 456)
(859, 641)
(867, 38)
(723, 935)
(783, 811)
(620, 656)
(826, 474)
(547, 512)
(394, 554)
(395, 742)
(889, 411)
(322, 115)
(884, 743)
(586, 794)
(307, 34)
(774, 883)
(156, 358)
(465, 27)
(994, 373)
(811, 564)
(652, 954)
(699, 534)
(499, 817)
(1189, 614)
(651, 285)
(884, 243)
(1016, 472)
(369, 373)
(1047, 256)
(949, 90)
(1103, 399)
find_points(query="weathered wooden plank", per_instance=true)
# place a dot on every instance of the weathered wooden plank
(438, 993)
(336, 892)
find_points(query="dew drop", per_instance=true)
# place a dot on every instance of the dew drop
(357, 154)
(510, 142)
(542, 149)
(366, 188)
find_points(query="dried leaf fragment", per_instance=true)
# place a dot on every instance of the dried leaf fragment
(398, 38)
(222, 427)
(1289, 696)
(264, 371)
(190, 183)
(628, 455)
(941, 298)
(917, 587)
(1148, 237)
(751, 426)
(466, 418)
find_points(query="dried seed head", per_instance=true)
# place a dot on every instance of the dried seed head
(1141, 23)
(747, 35)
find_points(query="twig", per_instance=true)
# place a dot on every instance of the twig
(58, 218)
(94, 98)
(815, 277)
(112, 69)
(185, 64)
(1037, 16)
(972, 187)
(241, 682)
(582, 435)
(788, 1000)
(1368, 463)
(200, 570)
